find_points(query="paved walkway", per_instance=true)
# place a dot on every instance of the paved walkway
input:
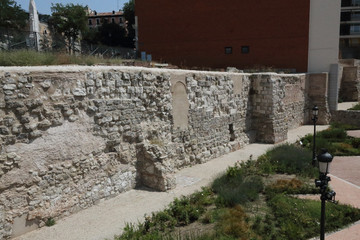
(346, 105)
(108, 218)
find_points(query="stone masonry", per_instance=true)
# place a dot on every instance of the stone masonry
(71, 136)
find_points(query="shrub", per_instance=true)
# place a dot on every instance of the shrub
(237, 189)
(298, 218)
(333, 134)
(50, 222)
(291, 186)
(233, 223)
(288, 159)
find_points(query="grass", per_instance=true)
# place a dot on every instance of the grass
(33, 58)
(239, 205)
(335, 140)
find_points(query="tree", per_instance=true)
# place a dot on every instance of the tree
(111, 34)
(70, 20)
(129, 14)
(11, 15)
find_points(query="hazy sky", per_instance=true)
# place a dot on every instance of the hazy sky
(43, 6)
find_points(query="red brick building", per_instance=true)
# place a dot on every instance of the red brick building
(218, 34)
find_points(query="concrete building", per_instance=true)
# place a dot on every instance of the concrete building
(350, 29)
(96, 19)
(284, 34)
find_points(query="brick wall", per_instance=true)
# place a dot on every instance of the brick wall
(188, 33)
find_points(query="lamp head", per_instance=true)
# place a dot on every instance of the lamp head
(315, 111)
(324, 159)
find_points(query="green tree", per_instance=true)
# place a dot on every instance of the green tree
(111, 34)
(129, 14)
(11, 15)
(69, 20)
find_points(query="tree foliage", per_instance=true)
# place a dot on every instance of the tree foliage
(129, 14)
(70, 20)
(112, 34)
(11, 15)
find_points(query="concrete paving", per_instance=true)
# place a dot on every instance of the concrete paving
(108, 218)
(346, 105)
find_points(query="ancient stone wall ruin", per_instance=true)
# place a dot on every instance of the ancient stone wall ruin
(71, 136)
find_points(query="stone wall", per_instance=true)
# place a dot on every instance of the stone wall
(346, 117)
(317, 92)
(350, 84)
(71, 136)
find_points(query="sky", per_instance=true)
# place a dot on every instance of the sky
(44, 6)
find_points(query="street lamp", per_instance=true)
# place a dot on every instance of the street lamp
(315, 113)
(324, 160)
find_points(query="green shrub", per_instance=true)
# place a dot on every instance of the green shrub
(299, 218)
(288, 159)
(237, 189)
(344, 126)
(334, 134)
(50, 222)
(355, 142)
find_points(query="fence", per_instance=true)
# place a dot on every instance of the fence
(11, 39)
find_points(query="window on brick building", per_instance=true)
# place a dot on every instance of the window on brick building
(228, 50)
(90, 22)
(113, 20)
(97, 21)
(245, 49)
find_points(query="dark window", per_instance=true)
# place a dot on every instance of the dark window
(97, 21)
(90, 22)
(245, 49)
(113, 20)
(120, 20)
(232, 132)
(228, 50)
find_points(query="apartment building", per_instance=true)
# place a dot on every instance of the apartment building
(350, 29)
(96, 19)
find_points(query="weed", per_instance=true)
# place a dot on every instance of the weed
(50, 222)
(234, 223)
(33, 58)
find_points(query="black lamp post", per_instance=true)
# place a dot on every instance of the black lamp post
(315, 113)
(325, 160)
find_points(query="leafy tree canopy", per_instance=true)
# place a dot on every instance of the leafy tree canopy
(69, 19)
(11, 15)
(129, 14)
(112, 34)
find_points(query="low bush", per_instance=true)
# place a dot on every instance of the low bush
(288, 159)
(299, 218)
(335, 140)
(237, 188)
(291, 186)
(234, 222)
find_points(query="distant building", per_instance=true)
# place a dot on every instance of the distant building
(96, 19)
(288, 34)
(350, 29)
